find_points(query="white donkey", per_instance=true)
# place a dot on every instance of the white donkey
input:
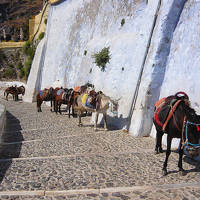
(98, 103)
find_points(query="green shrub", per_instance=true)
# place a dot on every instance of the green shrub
(11, 65)
(122, 22)
(19, 65)
(21, 73)
(25, 28)
(41, 35)
(26, 47)
(2, 56)
(29, 50)
(9, 73)
(27, 67)
(102, 58)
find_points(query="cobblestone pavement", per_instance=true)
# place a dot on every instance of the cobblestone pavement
(47, 156)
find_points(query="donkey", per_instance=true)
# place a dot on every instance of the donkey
(63, 96)
(95, 102)
(44, 95)
(11, 90)
(183, 124)
(84, 88)
(20, 90)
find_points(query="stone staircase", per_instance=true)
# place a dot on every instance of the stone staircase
(47, 156)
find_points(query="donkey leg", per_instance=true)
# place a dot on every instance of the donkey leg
(168, 152)
(56, 107)
(39, 103)
(79, 118)
(51, 105)
(158, 147)
(59, 105)
(96, 121)
(105, 121)
(182, 171)
(69, 108)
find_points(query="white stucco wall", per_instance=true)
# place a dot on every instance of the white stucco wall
(171, 64)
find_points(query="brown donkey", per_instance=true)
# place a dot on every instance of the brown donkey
(63, 96)
(44, 95)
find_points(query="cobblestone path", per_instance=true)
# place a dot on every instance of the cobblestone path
(47, 156)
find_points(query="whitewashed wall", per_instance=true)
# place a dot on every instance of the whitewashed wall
(171, 64)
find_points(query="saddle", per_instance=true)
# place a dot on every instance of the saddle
(77, 88)
(59, 92)
(164, 111)
(86, 101)
(41, 92)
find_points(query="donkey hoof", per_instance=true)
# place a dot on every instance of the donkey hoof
(160, 150)
(164, 172)
(156, 152)
(80, 124)
(182, 172)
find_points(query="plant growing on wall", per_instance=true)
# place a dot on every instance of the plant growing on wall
(28, 50)
(122, 22)
(102, 58)
(85, 53)
(41, 36)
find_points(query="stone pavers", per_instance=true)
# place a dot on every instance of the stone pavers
(47, 156)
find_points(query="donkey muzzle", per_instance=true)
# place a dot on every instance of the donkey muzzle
(192, 151)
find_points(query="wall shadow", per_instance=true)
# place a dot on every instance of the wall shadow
(114, 123)
(11, 143)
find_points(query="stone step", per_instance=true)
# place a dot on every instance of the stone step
(167, 191)
(79, 143)
(53, 121)
(90, 172)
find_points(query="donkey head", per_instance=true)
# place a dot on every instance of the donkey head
(192, 131)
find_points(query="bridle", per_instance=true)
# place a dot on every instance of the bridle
(185, 142)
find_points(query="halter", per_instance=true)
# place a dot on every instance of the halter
(186, 135)
(112, 110)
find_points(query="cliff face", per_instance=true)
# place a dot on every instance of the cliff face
(154, 53)
(14, 15)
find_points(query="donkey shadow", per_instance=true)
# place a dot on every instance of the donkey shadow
(113, 123)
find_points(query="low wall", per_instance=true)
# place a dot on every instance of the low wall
(11, 45)
(54, 1)
(2, 120)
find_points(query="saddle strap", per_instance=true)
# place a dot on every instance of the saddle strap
(171, 113)
(182, 133)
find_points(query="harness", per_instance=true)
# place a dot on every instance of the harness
(158, 107)
(112, 110)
